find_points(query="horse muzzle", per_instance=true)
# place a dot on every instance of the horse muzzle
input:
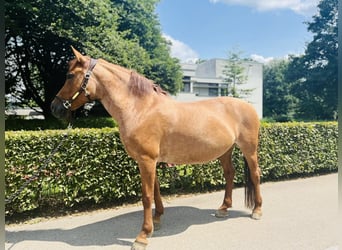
(59, 110)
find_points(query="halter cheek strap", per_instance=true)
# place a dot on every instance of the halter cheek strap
(83, 87)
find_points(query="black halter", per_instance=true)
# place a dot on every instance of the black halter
(67, 103)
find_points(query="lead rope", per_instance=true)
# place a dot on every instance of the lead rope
(43, 167)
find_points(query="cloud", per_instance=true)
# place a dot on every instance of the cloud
(181, 50)
(303, 7)
(261, 59)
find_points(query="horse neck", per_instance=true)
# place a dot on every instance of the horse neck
(117, 99)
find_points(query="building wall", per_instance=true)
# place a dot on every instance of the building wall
(205, 80)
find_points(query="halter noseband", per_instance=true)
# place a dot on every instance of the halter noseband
(67, 103)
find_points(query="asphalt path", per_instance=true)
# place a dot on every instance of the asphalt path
(297, 214)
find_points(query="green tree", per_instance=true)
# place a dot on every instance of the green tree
(138, 21)
(39, 33)
(27, 57)
(278, 101)
(315, 73)
(234, 76)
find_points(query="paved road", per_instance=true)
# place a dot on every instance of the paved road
(299, 214)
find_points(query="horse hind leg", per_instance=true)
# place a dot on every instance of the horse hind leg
(252, 189)
(228, 173)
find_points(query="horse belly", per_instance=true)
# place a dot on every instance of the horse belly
(190, 149)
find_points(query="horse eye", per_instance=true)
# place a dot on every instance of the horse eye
(69, 76)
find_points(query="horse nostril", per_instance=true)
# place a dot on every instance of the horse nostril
(57, 109)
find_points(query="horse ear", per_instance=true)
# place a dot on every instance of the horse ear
(78, 55)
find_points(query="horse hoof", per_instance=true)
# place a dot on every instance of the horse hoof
(156, 226)
(256, 215)
(221, 213)
(138, 246)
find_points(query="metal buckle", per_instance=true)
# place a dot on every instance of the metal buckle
(84, 85)
(87, 75)
(67, 104)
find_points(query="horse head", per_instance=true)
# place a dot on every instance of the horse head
(79, 87)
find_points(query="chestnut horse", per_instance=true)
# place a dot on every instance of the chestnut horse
(155, 128)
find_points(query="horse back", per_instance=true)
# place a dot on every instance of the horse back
(201, 131)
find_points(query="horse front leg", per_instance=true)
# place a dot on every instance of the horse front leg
(159, 211)
(148, 173)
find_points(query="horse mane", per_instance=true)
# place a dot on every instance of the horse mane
(140, 85)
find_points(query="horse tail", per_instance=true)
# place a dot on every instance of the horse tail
(249, 187)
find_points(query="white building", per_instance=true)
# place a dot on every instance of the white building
(205, 80)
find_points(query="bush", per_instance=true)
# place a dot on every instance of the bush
(91, 165)
(297, 149)
(15, 124)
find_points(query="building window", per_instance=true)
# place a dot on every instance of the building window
(186, 87)
(213, 92)
(186, 84)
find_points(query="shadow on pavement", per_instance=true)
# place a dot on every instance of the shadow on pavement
(114, 231)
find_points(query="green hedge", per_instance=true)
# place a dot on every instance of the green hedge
(15, 123)
(91, 165)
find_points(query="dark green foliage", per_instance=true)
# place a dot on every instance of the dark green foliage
(305, 87)
(13, 124)
(91, 165)
(39, 33)
(278, 100)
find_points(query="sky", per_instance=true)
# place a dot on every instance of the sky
(262, 29)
